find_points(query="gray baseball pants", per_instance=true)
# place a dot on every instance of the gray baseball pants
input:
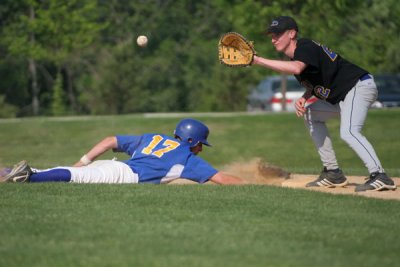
(352, 112)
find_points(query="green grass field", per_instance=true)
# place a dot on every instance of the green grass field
(60, 224)
(280, 139)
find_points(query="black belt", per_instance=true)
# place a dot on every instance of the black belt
(366, 76)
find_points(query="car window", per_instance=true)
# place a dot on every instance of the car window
(388, 85)
(263, 86)
(292, 86)
(276, 86)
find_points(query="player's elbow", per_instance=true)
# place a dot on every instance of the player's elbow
(109, 142)
(297, 71)
(298, 67)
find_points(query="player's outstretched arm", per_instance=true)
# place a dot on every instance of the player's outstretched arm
(104, 145)
(224, 178)
(288, 67)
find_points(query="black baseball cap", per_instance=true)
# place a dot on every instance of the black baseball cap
(282, 24)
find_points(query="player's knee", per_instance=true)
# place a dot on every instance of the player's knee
(345, 137)
(349, 135)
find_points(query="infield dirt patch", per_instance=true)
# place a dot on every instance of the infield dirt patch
(258, 171)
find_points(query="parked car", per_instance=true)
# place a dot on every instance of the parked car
(388, 91)
(267, 95)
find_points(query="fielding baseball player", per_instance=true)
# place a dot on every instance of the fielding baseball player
(342, 89)
(155, 158)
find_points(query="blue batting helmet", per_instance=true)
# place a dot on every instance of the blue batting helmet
(192, 131)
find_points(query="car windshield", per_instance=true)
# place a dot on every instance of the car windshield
(292, 86)
(263, 86)
(388, 85)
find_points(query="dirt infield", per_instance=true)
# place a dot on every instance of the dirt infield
(257, 171)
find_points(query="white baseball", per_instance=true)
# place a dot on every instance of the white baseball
(142, 40)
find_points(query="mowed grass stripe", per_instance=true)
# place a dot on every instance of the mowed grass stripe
(195, 225)
(190, 225)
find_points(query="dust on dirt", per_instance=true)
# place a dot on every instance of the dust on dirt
(258, 171)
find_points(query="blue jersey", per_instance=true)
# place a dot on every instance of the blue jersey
(159, 158)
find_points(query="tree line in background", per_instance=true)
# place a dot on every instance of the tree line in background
(65, 57)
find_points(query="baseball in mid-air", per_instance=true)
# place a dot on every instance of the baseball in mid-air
(142, 40)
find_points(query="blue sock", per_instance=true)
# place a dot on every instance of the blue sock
(54, 175)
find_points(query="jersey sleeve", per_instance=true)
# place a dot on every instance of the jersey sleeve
(198, 170)
(127, 143)
(308, 53)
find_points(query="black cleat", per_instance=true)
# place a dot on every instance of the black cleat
(377, 182)
(329, 179)
(19, 174)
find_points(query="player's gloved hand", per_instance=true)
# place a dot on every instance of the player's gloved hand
(234, 50)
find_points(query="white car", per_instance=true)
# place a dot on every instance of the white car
(267, 95)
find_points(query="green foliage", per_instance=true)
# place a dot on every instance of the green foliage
(6, 110)
(58, 101)
(13, 82)
(51, 30)
(95, 42)
(375, 38)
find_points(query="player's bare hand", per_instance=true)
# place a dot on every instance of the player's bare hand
(300, 106)
(255, 60)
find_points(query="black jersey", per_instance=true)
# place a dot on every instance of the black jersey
(329, 76)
